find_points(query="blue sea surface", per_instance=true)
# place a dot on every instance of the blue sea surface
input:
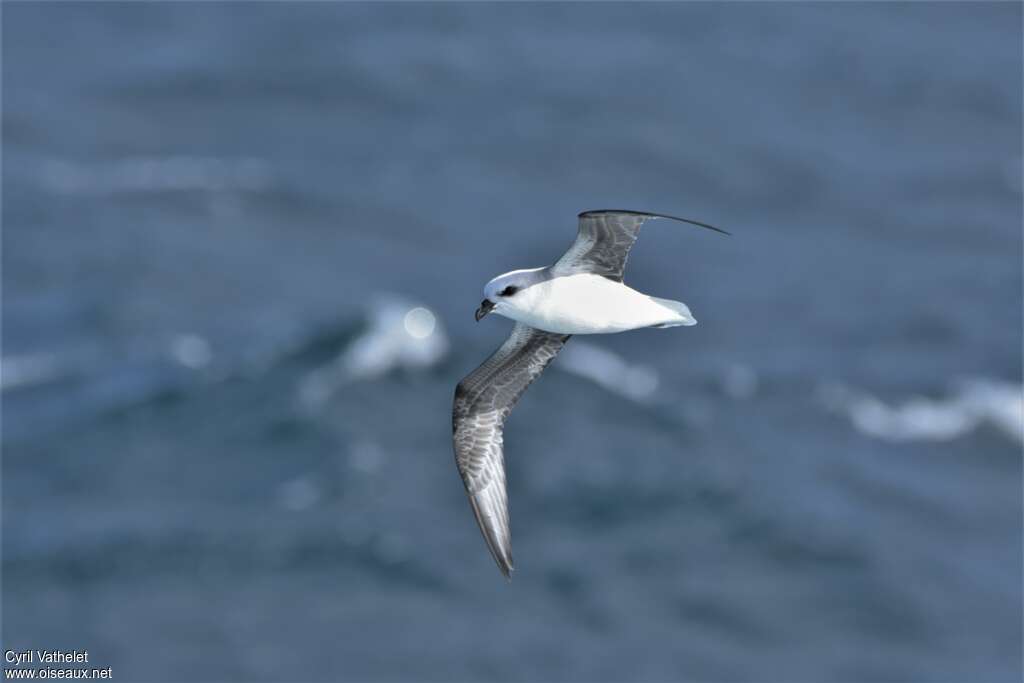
(227, 452)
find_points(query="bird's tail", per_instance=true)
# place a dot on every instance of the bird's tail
(679, 313)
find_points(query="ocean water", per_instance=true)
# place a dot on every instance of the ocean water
(226, 422)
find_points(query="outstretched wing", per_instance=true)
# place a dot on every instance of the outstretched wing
(483, 399)
(603, 242)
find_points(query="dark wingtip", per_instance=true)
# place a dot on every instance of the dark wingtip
(502, 556)
(507, 569)
(597, 212)
(504, 561)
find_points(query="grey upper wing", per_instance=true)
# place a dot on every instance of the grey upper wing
(483, 399)
(604, 239)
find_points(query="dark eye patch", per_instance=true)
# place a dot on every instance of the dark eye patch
(508, 291)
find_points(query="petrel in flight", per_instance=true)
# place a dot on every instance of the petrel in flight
(582, 293)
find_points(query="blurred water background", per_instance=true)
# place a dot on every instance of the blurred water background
(226, 420)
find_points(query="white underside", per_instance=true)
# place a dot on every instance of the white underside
(591, 304)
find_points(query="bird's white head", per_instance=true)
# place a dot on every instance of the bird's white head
(507, 292)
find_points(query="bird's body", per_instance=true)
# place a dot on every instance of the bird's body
(581, 293)
(584, 303)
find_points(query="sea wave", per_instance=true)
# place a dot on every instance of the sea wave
(973, 402)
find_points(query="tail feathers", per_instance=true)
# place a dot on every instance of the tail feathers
(680, 313)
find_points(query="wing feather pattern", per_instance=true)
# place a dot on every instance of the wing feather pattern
(483, 400)
(604, 239)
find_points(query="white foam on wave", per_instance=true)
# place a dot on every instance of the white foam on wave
(399, 334)
(609, 370)
(972, 403)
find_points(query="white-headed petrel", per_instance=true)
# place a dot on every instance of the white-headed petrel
(582, 293)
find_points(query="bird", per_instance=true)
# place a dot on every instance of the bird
(581, 293)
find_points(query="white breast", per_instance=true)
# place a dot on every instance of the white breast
(586, 304)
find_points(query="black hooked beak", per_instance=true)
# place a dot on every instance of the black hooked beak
(485, 308)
